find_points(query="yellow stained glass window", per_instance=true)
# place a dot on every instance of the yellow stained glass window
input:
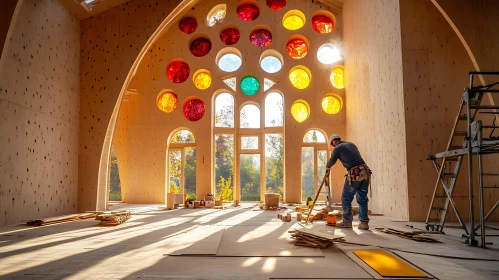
(300, 77)
(202, 79)
(167, 101)
(331, 104)
(300, 110)
(293, 20)
(337, 77)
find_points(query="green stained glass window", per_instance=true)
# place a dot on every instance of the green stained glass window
(250, 85)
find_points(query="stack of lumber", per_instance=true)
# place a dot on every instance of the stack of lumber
(309, 238)
(59, 219)
(316, 215)
(113, 218)
(420, 236)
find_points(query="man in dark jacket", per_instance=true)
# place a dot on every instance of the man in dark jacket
(356, 183)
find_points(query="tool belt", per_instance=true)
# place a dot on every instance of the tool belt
(359, 173)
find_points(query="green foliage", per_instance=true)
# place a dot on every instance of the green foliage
(190, 173)
(174, 188)
(225, 189)
(115, 183)
(307, 172)
(274, 164)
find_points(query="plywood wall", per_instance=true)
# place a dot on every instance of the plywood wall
(375, 99)
(39, 114)
(110, 43)
(149, 128)
(436, 66)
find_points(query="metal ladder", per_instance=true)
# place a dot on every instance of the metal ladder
(448, 170)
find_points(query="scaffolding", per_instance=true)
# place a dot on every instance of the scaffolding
(471, 140)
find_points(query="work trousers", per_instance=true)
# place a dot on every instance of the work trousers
(360, 189)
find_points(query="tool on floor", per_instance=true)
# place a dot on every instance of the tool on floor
(467, 137)
(324, 180)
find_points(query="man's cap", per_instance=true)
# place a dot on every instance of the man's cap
(334, 136)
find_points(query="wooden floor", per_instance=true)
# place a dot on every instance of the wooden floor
(236, 243)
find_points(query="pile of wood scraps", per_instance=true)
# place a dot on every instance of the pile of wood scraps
(113, 218)
(59, 219)
(309, 238)
(420, 236)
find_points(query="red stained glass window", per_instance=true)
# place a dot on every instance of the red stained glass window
(297, 48)
(322, 24)
(194, 109)
(248, 12)
(261, 38)
(177, 71)
(188, 25)
(276, 4)
(200, 47)
(230, 36)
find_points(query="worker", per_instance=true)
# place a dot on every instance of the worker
(357, 180)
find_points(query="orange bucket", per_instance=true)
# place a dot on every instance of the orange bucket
(331, 219)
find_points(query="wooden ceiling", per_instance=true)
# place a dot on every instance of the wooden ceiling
(100, 6)
(81, 13)
(335, 5)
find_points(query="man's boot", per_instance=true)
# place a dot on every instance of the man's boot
(364, 226)
(344, 224)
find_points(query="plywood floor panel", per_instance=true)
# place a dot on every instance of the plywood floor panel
(266, 240)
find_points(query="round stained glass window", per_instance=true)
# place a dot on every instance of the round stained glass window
(167, 101)
(229, 62)
(300, 110)
(202, 79)
(293, 20)
(297, 48)
(261, 38)
(322, 24)
(248, 12)
(328, 54)
(200, 47)
(276, 4)
(300, 77)
(250, 85)
(337, 77)
(331, 104)
(271, 64)
(177, 71)
(194, 109)
(188, 25)
(230, 36)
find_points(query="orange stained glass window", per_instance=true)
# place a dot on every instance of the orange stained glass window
(300, 77)
(337, 77)
(167, 101)
(297, 48)
(202, 79)
(331, 104)
(293, 20)
(300, 110)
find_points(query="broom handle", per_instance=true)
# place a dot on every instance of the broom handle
(326, 177)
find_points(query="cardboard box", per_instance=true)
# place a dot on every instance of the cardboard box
(209, 204)
(219, 202)
(196, 204)
(271, 200)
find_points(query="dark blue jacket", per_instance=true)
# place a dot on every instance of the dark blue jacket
(347, 153)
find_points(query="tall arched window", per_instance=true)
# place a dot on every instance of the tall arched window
(223, 131)
(249, 151)
(182, 164)
(314, 158)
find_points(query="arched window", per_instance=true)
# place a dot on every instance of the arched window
(182, 164)
(250, 116)
(314, 158)
(224, 153)
(274, 109)
(224, 110)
